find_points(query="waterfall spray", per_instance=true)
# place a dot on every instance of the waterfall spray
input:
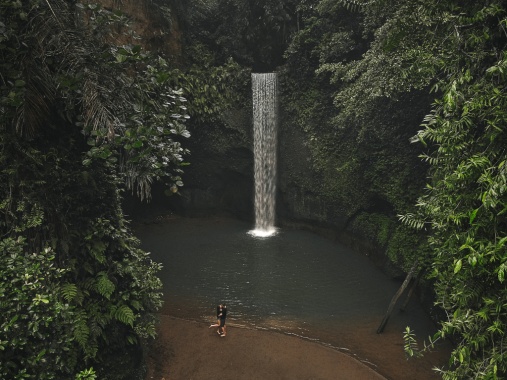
(265, 119)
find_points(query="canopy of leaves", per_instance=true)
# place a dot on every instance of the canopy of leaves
(466, 199)
(382, 58)
(253, 33)
(348, 95)
(81, 118)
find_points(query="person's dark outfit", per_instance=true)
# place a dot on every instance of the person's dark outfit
(223, 315)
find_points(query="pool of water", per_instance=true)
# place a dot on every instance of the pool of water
(294, 281)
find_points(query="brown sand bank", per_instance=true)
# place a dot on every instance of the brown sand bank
(189, 350)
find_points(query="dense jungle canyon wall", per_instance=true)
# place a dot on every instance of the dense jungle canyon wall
(87, 112)
(330, 181)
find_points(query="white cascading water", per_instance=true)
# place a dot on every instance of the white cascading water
(265, 119)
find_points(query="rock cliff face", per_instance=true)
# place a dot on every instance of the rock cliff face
(158, 26)
(219, 178)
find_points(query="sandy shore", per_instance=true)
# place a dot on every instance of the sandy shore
(189, 350)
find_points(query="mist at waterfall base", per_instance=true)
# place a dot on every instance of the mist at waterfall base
(295, 282)
(265, 119)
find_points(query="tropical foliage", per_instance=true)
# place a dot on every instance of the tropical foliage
(464, 206)
(359, 77)
(456, 49)
(82, 118)
(345, 91)
(86, 112)
(252, 32)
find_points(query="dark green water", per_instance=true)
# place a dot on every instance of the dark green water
(295, 282)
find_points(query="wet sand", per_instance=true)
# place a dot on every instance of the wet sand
(186, 350)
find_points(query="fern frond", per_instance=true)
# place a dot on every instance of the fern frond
(95, 328)
(88, 283)
(81, 331)
(104, 286)
(150, 330)
(411, 347)
(412, 221)
(69, 291)
(131, 339)
(356, 5)
(136, 305)
(98, 250)
(124, 314)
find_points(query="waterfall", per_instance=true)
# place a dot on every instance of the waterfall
(265, 118)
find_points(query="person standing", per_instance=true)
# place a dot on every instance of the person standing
(219, 313)
(223, 315)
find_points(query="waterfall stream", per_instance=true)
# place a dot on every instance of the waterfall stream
(265, 119)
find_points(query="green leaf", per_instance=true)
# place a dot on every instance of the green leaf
(105, 153)
(473, 214)
(121, 58)
(457, 266)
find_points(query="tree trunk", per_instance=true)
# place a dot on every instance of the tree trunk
(411, 291)
(395, 298)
